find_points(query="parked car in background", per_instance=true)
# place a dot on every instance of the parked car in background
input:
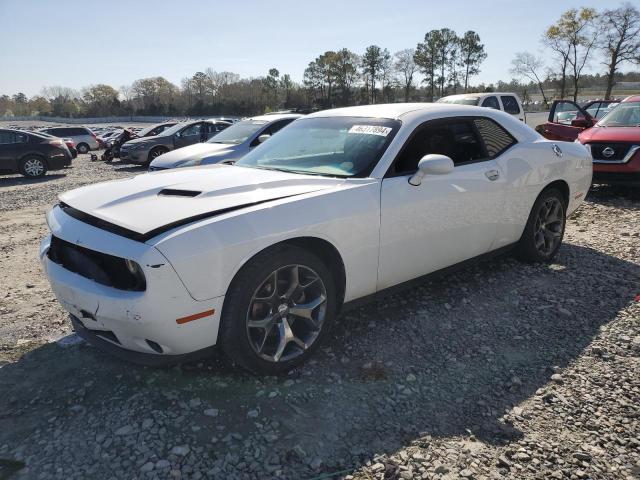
(339, 206)
(85, 139)
(506, 101)
(31, 154)
(615, 144)
(227, 146)
(144, 150)
(567, 119)
(154, 129)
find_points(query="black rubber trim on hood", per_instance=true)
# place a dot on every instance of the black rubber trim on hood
(143, 237)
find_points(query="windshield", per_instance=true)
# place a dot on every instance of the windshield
(171, 130)
(238, 132)
(626, 114)
(335, 146)
(460, 101)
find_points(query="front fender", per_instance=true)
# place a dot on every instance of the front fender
(208, 254)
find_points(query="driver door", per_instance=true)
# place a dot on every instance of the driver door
(566, 120)
(446, 219)
(189, 135)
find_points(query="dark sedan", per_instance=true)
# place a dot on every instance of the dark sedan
(143, 150)
(31, 154)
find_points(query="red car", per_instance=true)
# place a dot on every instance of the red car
(614, 140)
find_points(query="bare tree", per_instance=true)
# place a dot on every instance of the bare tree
(526, 65)
(406, 67)
(619, 40)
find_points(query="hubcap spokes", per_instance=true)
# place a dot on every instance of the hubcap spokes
(549, 226)
(286, 313)
(33, 167)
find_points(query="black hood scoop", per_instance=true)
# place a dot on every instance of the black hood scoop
(172, 192)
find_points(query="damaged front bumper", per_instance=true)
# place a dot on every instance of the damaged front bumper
(148, 322)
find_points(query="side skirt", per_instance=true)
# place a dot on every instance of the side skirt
(374, 297)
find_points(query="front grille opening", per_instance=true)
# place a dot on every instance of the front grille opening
(107, 335)
(100, 267)
(155, 346)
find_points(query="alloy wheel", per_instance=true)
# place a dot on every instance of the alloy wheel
(286, 313)
(34, 167)
(549, 226)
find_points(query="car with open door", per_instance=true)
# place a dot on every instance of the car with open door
(340, 206)
(614, 142)
(144, 150)
(567, 119)
(508, 102)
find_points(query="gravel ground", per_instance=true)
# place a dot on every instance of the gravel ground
(503, 370)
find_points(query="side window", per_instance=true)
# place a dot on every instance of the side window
(21, 138)
(565, 112)
(496, 139)
(457, 139)
(78, 131)
(510, 104)
(6, 137)
(221, 126)
(491, 102)
(194, 129)
(278, 126)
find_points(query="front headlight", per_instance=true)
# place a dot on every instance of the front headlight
(190, 163)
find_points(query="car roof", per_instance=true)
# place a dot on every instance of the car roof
(632, 98)
(273, 117)
(478, 94)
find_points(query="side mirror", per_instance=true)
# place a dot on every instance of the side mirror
(432, 164)
(177, 135)
(581, 122)
(264, 138)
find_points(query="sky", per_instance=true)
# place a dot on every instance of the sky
(76, 43)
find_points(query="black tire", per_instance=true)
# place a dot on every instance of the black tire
(82, 148)
(235, 334)
(541, 241)
(33, 166)
(154, 153)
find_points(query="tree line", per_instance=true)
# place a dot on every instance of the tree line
(442, 63)
(578, 38)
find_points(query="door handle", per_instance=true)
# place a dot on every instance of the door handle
(492, 175)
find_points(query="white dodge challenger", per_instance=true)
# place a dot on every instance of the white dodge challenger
(342, 205)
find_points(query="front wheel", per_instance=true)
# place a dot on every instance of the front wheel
(155, 153)
(278, 310)
(544, 231)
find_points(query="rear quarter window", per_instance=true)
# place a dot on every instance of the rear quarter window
(496, 139)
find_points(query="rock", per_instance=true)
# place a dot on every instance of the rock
(503, 462)
(252, 414)
(211, 412)
(161, 464)
(147, 467)
(522, 456)
(288, 383)
(377, 467)
(584, 456)
(194, 402)
(466, 473)
(69, 341)
(411, 377)
(180, 450)
(147, 423)
(126, 430)
(556, 377)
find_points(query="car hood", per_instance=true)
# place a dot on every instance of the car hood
(198, 151)
(610, 134)
(145, 205)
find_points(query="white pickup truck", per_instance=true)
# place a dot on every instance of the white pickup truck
(506, 101)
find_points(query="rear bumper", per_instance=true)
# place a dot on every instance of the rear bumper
(58, 162)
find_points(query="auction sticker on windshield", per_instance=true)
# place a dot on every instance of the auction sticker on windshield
(370, 130)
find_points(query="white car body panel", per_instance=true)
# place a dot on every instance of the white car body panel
(384, 230)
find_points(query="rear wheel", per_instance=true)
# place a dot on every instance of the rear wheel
(33, 166)
(278, 310)
(544, 231)
(83, 148)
